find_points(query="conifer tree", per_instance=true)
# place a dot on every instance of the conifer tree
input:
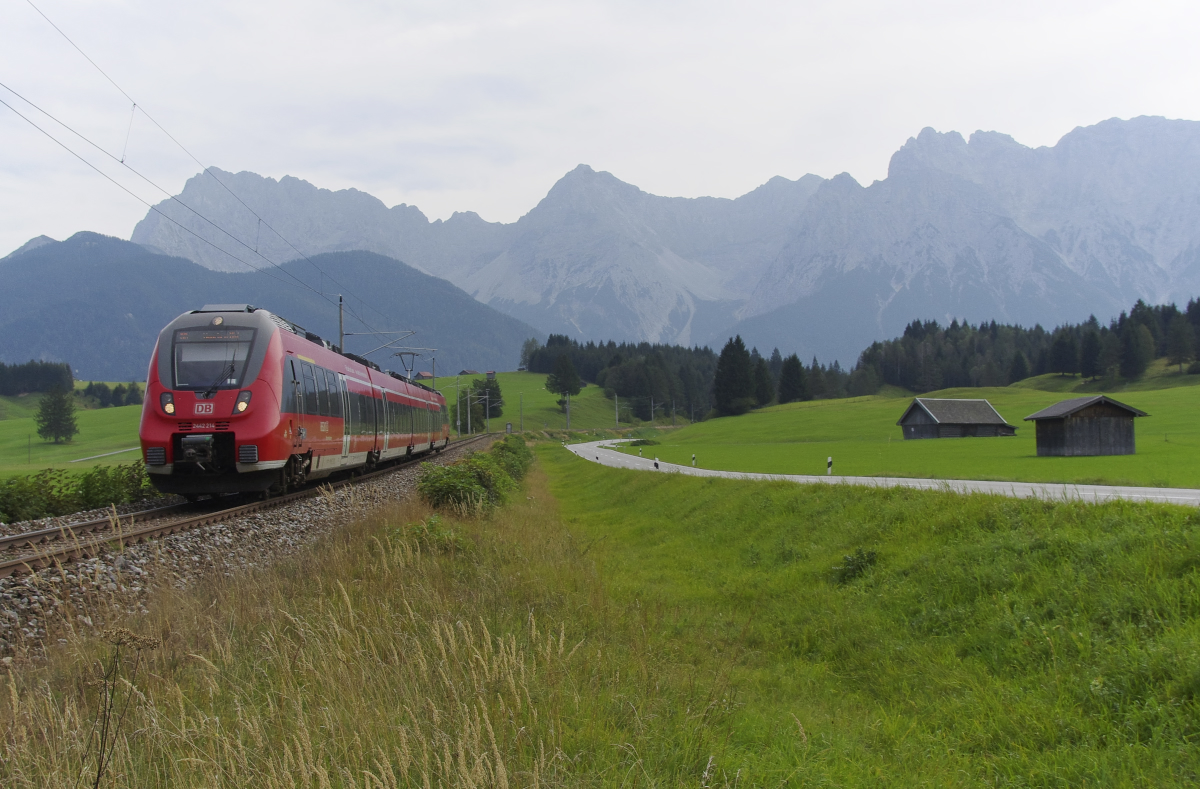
(764, 387)
(1180, 341)
(776, 365)
(1019, 369)
(792, 383)
(1089, 355)
(56, 416)
(733, 384)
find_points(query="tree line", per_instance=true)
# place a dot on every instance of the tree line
(16, 379)
(647, 375)
(104, 396)
(929, 356)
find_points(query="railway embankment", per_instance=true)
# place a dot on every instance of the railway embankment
(81, 596)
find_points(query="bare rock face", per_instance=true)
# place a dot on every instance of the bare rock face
(978, 229)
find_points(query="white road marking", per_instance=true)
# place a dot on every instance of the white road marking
(1022, 490)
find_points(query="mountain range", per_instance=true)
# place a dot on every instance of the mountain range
(977, 229)
(99, 303)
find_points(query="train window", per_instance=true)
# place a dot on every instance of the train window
(287, 398)
(210, 358)
(335, 394)
(311, 404)
(322, 392)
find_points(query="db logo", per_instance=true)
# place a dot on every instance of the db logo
(204, 408)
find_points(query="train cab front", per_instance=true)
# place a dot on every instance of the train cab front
(211, 415)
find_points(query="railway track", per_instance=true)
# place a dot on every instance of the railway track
(79, 541)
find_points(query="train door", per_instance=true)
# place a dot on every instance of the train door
(297, 417)
(347, 427)
(385, 410)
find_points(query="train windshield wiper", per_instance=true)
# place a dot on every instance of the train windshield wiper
(226, 371)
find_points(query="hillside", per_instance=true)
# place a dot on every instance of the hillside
(979, 229)
(99, 303)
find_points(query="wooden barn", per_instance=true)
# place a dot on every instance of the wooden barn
(1095, 425)
(933, 418)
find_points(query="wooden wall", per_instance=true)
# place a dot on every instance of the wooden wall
(1099, 430)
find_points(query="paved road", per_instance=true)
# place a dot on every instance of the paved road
(595, 451)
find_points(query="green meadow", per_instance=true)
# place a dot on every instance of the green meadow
(101, 431)
(862, 437)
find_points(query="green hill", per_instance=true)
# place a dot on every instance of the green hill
(861, 436)
(852, 637)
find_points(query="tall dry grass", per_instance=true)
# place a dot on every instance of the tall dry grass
(405, 650)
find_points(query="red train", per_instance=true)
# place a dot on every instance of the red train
(240, 400)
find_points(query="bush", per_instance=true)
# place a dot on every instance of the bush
(1193, 368)
(57, 492)
(478, 482)
(513, 456)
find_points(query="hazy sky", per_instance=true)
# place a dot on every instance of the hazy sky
(481, 106)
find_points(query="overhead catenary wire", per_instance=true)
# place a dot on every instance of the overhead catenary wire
(170, 196)
(128, 191)
(207, 170)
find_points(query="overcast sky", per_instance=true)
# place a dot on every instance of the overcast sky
(482, 106)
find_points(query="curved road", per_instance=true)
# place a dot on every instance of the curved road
(596, 452)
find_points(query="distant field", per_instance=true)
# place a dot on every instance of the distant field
(589, 409)
(862, 437)
(100, 431)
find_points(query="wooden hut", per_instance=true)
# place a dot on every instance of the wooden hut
(1095, 425)
(933, 418)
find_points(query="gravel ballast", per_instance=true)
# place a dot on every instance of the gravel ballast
(77, 595)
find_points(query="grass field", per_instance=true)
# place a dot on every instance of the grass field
(861, 436)
(589, 409)
(101, 431)
(611, 628)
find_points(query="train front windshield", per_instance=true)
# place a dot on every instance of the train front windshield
(211, 358)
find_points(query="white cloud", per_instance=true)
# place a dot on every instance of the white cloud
(483, 105)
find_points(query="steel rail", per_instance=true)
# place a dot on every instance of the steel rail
(73, 530)
(83, 549)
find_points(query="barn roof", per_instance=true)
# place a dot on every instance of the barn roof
(1068, 407)
(956, 412)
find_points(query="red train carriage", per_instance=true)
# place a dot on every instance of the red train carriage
(241, 400)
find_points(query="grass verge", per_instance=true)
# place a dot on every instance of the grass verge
(610, 628)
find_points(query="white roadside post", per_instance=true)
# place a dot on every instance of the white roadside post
(829, 467)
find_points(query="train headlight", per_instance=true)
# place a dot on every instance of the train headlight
(167, 401)
(243, 402)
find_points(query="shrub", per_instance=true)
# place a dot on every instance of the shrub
(1193, 368)
(513, 456)
(57, 492)
(474, 484)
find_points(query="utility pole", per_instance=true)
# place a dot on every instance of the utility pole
(488, 407)
(341, 326)
(616, 411)
(651, 410)
(522, 412)
(469, 413)
(672, 413)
